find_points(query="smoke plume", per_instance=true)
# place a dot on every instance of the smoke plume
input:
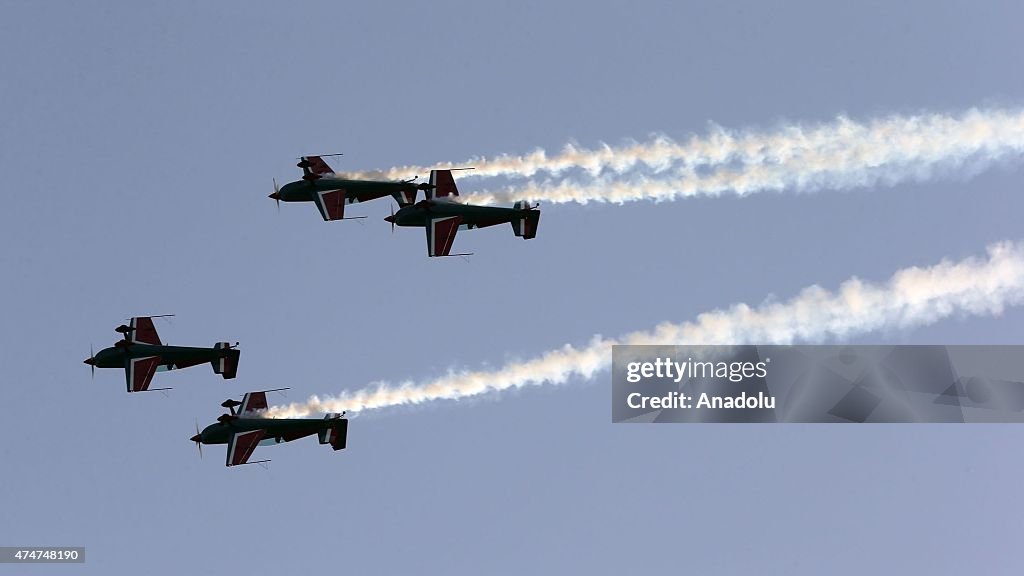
(911, 297)
(834, 155)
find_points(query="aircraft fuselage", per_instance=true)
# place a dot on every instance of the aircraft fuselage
(474, 216)
(277, 429)
(116, 356)
(304, 190)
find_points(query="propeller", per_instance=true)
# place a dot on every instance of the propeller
(276, 195)
(91, 361)
(198, 440)
(392, 220)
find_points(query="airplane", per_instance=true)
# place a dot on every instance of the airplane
(321, 185)
(142, 355)
(246, 429)
(442, 217)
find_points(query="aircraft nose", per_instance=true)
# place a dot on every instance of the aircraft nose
(275, 195)
(90, 361)
(196, 438)
(390, 218)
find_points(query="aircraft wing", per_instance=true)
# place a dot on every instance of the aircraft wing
(331, 204)
(318, 165)
(242, 445)
(441, 234)
(138, 372)
(441, 185)
(142, 331)
(253, 402)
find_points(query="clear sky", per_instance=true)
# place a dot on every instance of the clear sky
(138, 146)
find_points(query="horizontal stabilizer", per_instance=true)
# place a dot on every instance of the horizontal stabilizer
(526, 225)
(336, 432)
(226, 365)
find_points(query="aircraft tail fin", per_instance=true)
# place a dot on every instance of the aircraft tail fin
(226, 365)
(526, 225)
(442, 185)
(336, 431)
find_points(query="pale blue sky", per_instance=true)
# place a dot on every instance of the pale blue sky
(138, 146)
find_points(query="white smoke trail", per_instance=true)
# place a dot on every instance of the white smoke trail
(843, 153)
(911, 297)
(808, 174)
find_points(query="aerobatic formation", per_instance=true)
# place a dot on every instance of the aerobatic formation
(141, 353)
(439, 214)
(836, 156)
